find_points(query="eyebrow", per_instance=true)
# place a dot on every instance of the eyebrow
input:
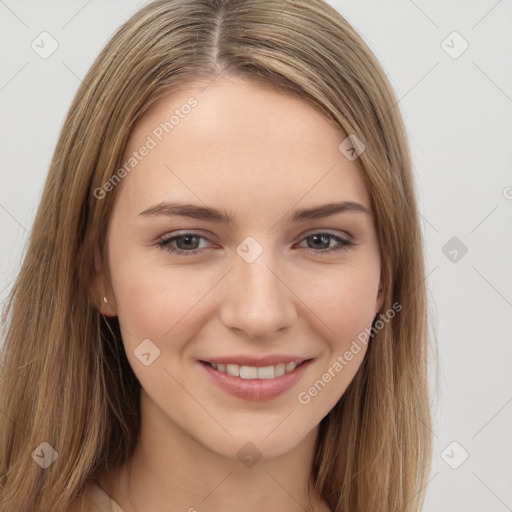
(223, 216)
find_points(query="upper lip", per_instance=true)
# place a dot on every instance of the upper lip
(246, 360)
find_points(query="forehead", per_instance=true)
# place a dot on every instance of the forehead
(239, 141)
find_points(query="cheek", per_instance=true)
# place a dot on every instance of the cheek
(345, 304)
(163, 306)
(148, 302)
(344, 301)
(158, 302)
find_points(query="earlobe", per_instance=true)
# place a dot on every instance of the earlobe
(102, 290)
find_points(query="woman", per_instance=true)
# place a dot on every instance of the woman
(255, 366)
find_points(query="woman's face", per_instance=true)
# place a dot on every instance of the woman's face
(274, 285)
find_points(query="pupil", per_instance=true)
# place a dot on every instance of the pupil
(326, 238)
(187, 239)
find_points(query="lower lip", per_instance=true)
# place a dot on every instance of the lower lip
(257, 390)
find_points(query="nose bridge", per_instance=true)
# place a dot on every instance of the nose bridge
(258, 301)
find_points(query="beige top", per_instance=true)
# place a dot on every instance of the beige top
(97, 500)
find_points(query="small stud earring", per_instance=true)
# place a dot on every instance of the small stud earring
(105, 299)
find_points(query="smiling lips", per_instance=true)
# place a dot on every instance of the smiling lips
(257, 379)
(255, 372)
(249, 367)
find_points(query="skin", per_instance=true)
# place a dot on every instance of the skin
(260, 154)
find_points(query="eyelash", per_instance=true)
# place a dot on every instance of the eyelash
(344, 243)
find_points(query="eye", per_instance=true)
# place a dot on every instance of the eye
(323, 240)
(188, 243)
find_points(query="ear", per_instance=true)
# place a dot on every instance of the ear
(102, 289)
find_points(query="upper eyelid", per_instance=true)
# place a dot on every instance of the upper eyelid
(328, 231)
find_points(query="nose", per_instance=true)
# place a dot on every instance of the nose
(258, 301)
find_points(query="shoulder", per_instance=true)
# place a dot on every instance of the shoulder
(93, 499)
(77, 505)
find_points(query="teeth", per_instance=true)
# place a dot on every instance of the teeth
(290, 367)
(279, 369)
(255, 372)
(233, 369)
(248, 372)
(266, 372)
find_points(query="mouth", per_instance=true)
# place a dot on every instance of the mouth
(255, 380)
(256, 372)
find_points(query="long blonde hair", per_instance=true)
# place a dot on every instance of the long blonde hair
(65, 379)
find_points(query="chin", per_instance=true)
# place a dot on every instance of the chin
(253, 441)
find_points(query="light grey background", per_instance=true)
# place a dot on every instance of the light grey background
(458, 113)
